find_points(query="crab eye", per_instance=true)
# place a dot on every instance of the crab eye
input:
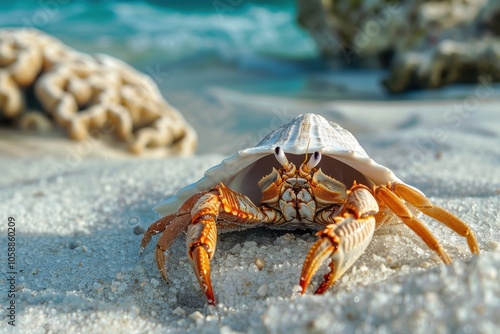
(280, 156)
(314, 161)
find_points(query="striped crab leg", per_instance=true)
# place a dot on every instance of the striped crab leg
(171, 227)
(344, 240)
(392, 193)
(218, 205)
(199, 215)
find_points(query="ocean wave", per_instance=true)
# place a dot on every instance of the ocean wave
(145, 29)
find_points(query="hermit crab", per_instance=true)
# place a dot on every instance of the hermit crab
(325, 181)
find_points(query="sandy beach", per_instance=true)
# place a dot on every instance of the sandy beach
(78, 225)
(417, 83)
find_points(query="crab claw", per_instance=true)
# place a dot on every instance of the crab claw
(201, 239)
(201, 267)
(343, 243)
(319, 253)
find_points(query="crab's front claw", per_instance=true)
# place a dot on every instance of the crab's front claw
(322, 249)
(343, 243)
(201, 239)
(201, 265)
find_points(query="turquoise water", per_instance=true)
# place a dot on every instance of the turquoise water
(170, 31)
(230, 66)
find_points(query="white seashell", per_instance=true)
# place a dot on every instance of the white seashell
(342, 158)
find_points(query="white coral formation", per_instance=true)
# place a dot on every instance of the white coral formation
(85, 93)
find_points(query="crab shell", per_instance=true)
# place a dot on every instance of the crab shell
(342, 158)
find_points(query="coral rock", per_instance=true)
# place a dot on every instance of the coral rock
(87, 95)
(449, 62)
(410, 37)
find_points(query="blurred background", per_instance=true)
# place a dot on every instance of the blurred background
(237, 68)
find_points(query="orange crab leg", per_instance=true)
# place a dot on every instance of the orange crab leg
(199, 215)
(219, 204)
(399, 208)
(171, 226)
(344, 240)
(157, 227)
(169, 235)
(342, 243)
(201, 240)
(417, 199)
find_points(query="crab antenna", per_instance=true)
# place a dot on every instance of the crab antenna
(280, 156)
(314, 161)
(307, 151)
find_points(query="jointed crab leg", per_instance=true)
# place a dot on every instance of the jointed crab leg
(421, 202)
(201, 240)
(199, 214)
(343, 243)
(389, 195)
(173, 224)
(157, 227)
(220, 203)
(344, 240)
(351, 234)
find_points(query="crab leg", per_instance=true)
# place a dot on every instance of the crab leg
(391, 199)
(201, 240)
(172, 225)
(219, 204)
(417, 199)
(344, 240)
(157, 227)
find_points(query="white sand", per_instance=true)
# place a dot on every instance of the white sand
(79, 269)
